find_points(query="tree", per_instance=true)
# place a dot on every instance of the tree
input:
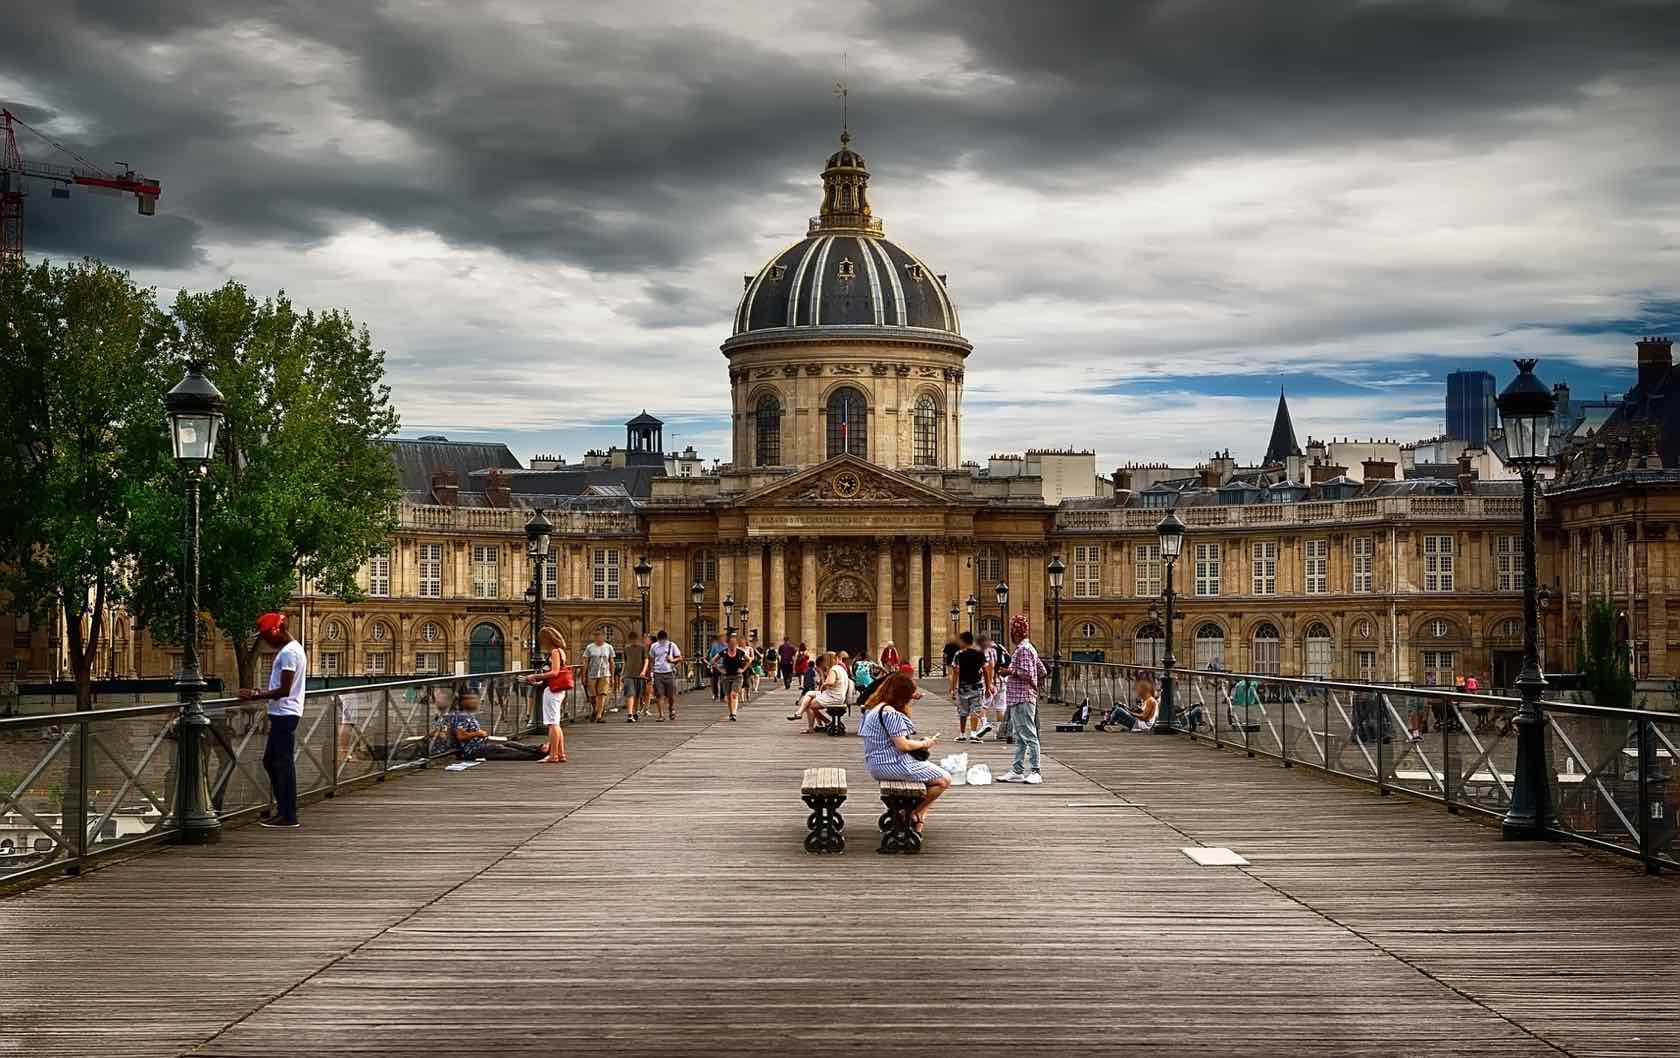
(81, 418)
(301, 486)
(1606, 671)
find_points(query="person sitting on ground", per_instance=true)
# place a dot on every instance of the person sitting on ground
(889, 737)
(470, 741)
(1139, 717)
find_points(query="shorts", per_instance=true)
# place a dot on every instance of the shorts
(665, 685)
(551, 703)
(634, 685)
(729, 684)
(971, 700)
(600, 686)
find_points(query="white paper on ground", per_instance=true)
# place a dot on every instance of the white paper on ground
(957, 765)
(462, 765)
(1214, 856)
(979, 775)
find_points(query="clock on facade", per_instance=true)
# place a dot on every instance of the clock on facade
(847, 485)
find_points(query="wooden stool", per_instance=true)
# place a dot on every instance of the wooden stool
(897, 832)
(824, 790)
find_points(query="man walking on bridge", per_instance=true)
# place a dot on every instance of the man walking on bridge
(284, 696)
(1026, 675)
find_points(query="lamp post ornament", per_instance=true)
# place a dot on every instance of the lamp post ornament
(538, 532)
(644, 571)
(1170, 532)
(973, 604)
(1057, 570)
(1526, 407)
(697, 592)
(1002, 593)
(194, 408)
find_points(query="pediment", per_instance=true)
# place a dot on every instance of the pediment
(846, 481)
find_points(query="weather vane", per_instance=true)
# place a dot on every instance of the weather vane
(840, 90)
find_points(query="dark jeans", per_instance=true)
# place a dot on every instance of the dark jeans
(507, 751)
(281, 768)
(787, 676)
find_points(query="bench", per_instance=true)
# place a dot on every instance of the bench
(898, 833)
(836, 720)
(824, 790)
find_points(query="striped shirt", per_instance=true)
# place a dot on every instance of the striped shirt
(1025, 670)
(877, 730)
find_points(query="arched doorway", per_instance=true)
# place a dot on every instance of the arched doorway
(486, 651)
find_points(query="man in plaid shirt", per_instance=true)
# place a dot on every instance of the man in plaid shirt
(1026, 674)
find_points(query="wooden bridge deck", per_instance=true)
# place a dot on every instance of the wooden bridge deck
(651, 897)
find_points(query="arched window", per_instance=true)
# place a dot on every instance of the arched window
(332, 632)
(609, 632)
(924, 433)
(1321, 651)
(848, 423)
(1147, 645)
(768, 451)
(1267, 655)
(379, 631)
(1089, 630)
(1210, 647)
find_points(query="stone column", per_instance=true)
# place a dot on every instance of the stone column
(808, 591)
(883, 596)
(1038, 584)
(916, 648)
(777, 625)
(753, 561)
(940, 597)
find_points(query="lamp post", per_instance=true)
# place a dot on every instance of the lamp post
(956, 615)
(644, 571)
(1057, 570)
(1525, 411)
(194, 408)
(973, 604)
(538, 532)
(1002, 593)
(729, 614)
(1170, 532)
(697, 592)
(741, 620)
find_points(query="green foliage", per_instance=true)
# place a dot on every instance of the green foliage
(81, 420)
(1604, 659)
(301, 485)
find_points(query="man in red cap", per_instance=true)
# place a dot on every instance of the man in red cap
(285, 709)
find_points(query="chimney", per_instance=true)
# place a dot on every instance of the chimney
(1466, 476)
(1378, 469)
(1210, 477)
(1656, 356)
(1322, 472)
(497, 492)
(1122, 480)
(444, 489)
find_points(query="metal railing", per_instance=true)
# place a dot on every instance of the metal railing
(75, 786)
(1612, 770)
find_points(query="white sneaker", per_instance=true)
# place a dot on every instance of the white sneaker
(1035, 779)
(1012, 776)
(962, 738)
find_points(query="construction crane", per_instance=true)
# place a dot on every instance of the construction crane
(13, 171)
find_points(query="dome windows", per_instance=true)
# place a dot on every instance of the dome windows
(848, 423)
(924, 431)
(845, 269)
(767, 451)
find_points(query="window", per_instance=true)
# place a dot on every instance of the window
(1318, 566)
(990, 626)
(1508, 557)
(606, 573)
(1146, 571)
(1363, 551)
(551, 574)
(486, 583)
(924, 432)
(703, 630)
(1618, 560)
(1088, 630)
(378, 663)
(430, 632)
(1209, 651)
(428, 661)
(1207, 569)
(431, 571)
(378, 632)
(330, 662)
(1440, 629)
(332, 632)
(705, 567)
(21, 634)
(1510, 629)
(988, 567)
(608, 632)
(1264, 555)
(1437, 563)
(1321, 651)
(768, 423)
(1158, 501)
(1267, 655)
(1087, 571)
(1147, 646)
(379, 575)
(1366, 662)
(1438, 668)
(848, 423)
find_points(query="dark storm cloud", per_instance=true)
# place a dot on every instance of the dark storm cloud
(555, 138)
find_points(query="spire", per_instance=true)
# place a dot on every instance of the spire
(845, 204)
(1282, 445)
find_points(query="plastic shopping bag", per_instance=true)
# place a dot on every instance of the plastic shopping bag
(979, 775)
(957, 765)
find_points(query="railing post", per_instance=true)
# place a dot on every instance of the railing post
(1283, 730)
(1382, 748)
(384, 734)
(332, 745)
(1324, 727)
(1645, 756)
(78, 818)
(1217, 688)
(1447, 768)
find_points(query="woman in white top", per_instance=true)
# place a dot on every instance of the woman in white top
(554, 645)
(831, 691)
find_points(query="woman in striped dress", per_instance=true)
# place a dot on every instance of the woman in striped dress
(888, 738)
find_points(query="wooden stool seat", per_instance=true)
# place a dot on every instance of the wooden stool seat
(898, 832)
(824, 790)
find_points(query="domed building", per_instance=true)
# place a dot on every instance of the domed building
(846, 342)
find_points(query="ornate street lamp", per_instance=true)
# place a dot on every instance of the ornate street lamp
(1002, 593)
(697, 592)
(1057, 570)
(644, 571)
(194, 408)
(1526, 408)
(741, 619)
(729, 614)
(956, 615)
(1170, 532)
(973, 604)
(539, 531)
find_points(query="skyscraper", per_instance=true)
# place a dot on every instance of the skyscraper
(1470, 407)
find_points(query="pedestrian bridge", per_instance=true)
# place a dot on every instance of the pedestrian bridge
(651, 897)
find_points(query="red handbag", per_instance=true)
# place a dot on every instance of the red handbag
(560, 679)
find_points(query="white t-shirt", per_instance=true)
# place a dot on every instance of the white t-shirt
(663, 651)
(291, 658)
(599, 656)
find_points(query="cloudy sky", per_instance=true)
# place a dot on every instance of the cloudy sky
(1153, 214)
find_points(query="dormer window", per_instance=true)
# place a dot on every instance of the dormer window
(847, 270)
(917, 272)
(776, 273)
